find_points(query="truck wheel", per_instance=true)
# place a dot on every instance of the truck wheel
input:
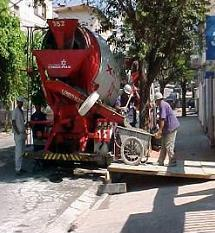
(132, 151)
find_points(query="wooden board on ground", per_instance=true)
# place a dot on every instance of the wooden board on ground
(187, 168)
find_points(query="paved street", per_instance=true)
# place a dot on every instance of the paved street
(33, 202)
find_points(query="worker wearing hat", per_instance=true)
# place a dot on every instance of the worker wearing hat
(168, 125)
(126, 106)
(18, 124)
(127, 89)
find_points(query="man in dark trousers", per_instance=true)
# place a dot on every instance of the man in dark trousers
(38, 129)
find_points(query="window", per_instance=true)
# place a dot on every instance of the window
(16, 10)
(36, 9)
(44, 10)
(40, 10)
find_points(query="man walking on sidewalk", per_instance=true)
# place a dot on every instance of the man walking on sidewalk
(168, 125)
(18, 124)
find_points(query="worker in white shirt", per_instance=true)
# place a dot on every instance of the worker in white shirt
(18, 124)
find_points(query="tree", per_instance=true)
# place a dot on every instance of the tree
(36, 94)
(181, 72)
(12, 57)
(155, 31)
(169, 73)
(187, 75)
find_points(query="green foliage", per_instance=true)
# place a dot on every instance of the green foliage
(13, 80)
(37, 40)
(177, 70)
(36, 93)
(155, 31)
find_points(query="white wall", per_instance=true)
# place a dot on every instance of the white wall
(213, 117)
(207, 105)
(84, 18)
(207, 94)
(201, 99)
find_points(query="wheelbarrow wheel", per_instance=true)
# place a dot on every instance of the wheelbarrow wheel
(132, 151)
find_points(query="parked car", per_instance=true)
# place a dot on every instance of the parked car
(190, 103)
(172, 99)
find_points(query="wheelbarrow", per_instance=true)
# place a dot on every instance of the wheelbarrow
(132, 145)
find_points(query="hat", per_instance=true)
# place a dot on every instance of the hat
(20, 99)
(158, 96)
(127, 89)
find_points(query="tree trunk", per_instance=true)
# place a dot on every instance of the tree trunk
(153, 69)
(144, 99)
(7, 123)
(162, 85)
(144, 106)
(184, 90)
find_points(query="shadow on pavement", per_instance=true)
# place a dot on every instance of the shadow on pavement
(169, 213)
(173, 212)
(52, 171)
(143, 182)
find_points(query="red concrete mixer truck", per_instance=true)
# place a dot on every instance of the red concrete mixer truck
(80, 82)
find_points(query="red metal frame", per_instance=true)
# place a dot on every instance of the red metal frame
(61, 63)
(61, 71)
(63, 30)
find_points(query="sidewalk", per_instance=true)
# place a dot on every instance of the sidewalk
(160, 204)
(191, 142)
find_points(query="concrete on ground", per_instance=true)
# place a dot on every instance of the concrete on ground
(6, 140)
(160, 204)
(41, 200)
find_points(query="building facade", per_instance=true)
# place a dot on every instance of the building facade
(84, 13)
(206, 76)
(31, 15)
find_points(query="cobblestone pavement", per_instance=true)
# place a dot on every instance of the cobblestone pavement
(32, 202)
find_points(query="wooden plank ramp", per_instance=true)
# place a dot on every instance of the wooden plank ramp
(184, 168)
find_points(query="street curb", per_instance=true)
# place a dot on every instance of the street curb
(76, 223)
(100, 201)
(65, 221)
